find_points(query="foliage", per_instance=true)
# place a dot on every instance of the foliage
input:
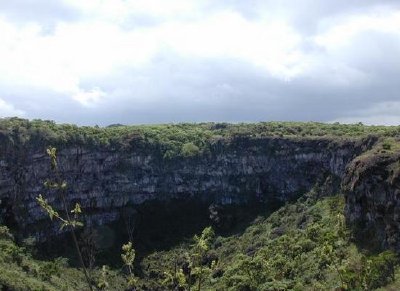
(20, 271)
(54, 214)
(128, 257)
(175, 140)
(200, 268)
(190, 149)
(103, 282)
(302, 246)
(5, 233)
(60, 186)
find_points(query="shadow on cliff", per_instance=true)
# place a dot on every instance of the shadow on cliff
(162, 225)
(159, 226)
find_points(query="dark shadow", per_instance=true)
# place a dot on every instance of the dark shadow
(160, 226)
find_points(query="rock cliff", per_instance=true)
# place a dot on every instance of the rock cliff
(104, 179)
(372, 190)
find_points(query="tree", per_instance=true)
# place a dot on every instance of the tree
(128, 257)
(190, 149)
(202, 245)
(70, 217)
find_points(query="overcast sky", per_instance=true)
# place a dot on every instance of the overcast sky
(156, 61)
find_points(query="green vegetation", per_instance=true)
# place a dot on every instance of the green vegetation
(302, 246)
(60, 186)
(70, 221)
(128, 257)
(175, 140)
(20, 271)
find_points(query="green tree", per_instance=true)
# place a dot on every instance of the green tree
(190, 150)
(128, 257)
(200, 249)
(70, 217)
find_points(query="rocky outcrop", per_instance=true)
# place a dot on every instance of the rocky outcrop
(372, 191)
(105, 179)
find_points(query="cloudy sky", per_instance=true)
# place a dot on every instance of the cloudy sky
(156, 61)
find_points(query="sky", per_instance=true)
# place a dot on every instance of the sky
(166, 61)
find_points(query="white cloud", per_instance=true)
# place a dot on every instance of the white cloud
(119, 10)
(96, 47)
(28, 58)
(345, 47)
(193, 46)
(339, 34)
(271, 45)
(60, 61)
(89, 98)
(76, 51)
(7, 109)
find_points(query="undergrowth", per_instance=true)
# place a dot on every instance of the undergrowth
(20, 271)
(304, 245)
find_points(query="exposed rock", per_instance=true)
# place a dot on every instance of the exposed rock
(105, 179)
(372, 191)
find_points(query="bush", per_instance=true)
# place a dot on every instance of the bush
(386, 146)
(5, 233)
(382, 269)
(49, 269)
(190, 149)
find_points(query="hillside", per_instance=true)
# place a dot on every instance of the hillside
(293, 205)
(303, 245)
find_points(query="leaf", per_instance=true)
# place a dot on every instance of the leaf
(77, 209)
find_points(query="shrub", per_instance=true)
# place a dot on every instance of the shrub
(386, 146)
(190, 149)
(5, 233)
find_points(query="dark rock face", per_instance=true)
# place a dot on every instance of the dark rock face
(104, 180)
(372, 191)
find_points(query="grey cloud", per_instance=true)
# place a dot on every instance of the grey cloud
(174, 89)
(177, 89)
(44, 12)
(139, 21)
(305, 15)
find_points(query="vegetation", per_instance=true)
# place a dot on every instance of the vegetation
(20, 271)
(60, 186)
(304, 245)
(128, 257)
(174, 140)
